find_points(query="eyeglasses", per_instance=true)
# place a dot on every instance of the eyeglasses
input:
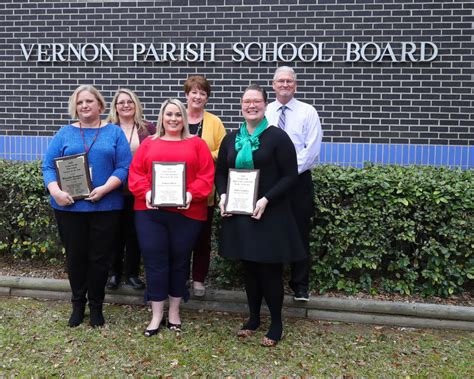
(125, 102)
(247, 102)
(285, 81)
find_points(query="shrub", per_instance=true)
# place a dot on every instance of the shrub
(407, 229)
(27, 225)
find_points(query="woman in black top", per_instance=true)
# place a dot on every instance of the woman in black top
(269, 238)
(126, 111)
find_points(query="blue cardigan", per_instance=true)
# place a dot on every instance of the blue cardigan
(109, 156)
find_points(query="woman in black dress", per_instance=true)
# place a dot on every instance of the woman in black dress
(269, 238)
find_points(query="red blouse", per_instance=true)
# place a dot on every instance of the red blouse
(199, 171)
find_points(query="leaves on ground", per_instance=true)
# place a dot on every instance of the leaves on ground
(35, 341)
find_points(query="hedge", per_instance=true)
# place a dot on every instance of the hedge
(380, 228)
(400, 229)
(27, 224)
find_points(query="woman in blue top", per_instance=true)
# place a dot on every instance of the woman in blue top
(87, 227)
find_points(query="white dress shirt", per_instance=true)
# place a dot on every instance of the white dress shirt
(303, 126)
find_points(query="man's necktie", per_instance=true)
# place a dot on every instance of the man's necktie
(282, 119)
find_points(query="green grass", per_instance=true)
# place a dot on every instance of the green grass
(36, 341)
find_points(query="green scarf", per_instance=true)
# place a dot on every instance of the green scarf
(245, 144)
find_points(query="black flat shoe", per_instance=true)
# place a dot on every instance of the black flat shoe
(152, 332)
(174, 327)
(113, 282)
(135, 282)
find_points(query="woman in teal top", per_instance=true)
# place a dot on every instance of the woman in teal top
(268, 238)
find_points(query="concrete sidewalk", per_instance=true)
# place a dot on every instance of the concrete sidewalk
(416, 315)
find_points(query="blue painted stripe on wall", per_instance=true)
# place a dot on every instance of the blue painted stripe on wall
(27, 148)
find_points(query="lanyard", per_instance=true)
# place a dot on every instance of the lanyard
(86, 147)
(131, 134)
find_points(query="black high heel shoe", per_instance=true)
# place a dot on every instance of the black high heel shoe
(152, 332)
(174, 327)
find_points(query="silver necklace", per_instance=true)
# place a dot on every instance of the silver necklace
(199, 127)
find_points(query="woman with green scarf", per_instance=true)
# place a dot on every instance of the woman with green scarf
(268, 238)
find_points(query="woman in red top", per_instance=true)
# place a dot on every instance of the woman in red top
(167, 235)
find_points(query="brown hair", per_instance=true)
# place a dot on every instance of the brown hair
(256, 87)
(197, 81)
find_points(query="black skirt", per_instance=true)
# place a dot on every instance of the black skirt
(272, 239)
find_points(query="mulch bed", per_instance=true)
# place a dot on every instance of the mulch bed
(32, 268)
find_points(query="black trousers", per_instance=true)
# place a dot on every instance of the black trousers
(88, 238)
(302, 203)
(126, 243)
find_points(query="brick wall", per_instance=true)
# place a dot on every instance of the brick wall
(386, 102)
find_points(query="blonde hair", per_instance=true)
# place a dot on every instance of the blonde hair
(160, 130)
(89, 88)
(113, 116)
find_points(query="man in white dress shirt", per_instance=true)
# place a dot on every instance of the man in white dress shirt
(301, 122)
